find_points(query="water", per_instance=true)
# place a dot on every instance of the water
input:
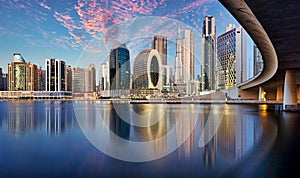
(63, 139)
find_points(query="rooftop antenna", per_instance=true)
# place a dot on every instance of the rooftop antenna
(178, 33)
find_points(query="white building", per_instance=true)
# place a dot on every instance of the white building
(56, 75)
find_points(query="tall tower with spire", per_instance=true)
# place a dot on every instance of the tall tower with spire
(179, 56)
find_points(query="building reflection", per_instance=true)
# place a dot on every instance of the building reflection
(209, 150)
(24, 117)
(59, 117)
(186, 117)
(237, 134)
(116, 124)
(21, 118)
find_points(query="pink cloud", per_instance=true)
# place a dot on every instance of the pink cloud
(42, 4)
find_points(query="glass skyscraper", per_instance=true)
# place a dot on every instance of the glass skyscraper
(208, 53)
(231, 57)
(119, 68)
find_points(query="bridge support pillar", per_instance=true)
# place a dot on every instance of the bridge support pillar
(261, 94)
(298, 94)
(279, 96)
(290, 91)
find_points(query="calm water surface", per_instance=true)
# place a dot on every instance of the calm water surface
(63, 139)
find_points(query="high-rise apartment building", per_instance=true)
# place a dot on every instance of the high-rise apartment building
(119, 68)
(188, 56)
(79, 80)
(41, 79)
(208, 53)
(56, 79)
(160, 44)
(231, 57)
(90, 75)
(104, 76)
(22, 76)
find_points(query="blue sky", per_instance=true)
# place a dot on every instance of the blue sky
(68, 29)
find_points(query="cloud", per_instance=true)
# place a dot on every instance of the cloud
(42, 4)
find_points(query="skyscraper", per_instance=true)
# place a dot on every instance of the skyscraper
(160, 44)
(79, 80)
(22, 76)
(103, 76)
(69, 78)
(55, 75)
(208, 53)
(188, 56)
(119, 68)
(41, 79)
(90, 75)
(179, 57)
(231, 57)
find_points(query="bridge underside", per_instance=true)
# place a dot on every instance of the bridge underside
(274, 27)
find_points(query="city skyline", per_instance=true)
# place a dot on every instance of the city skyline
(59, 35)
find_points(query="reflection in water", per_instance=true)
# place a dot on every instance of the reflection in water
(58, 118)
(26, 117)
(21, 118)
(237, 134)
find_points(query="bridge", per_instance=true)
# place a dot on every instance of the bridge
(274, 27)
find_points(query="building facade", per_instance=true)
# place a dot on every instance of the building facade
(104, 76)
(231, 57)
(79, 80)
(208, 53)
(167, 77)
(41, 79)
(147, 70)
(119, 68)
(160, 44)
(188, 56)
(56, 75)
(69, 78)
(90, 75)
(22, 76)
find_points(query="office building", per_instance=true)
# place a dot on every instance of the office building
(208, 53)
(41, 79)
(147, 70)
(119, 68)
(104, 76)
(160, 44)
(5, 81)
(231, 57)
(55, 75)
(22, 76)
(69, 78)
(167, 81)
(188, 56)
(90, 76)
(79, 80)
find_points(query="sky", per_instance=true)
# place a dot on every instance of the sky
(83, 32)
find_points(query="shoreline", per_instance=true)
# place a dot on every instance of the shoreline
(152, 101)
